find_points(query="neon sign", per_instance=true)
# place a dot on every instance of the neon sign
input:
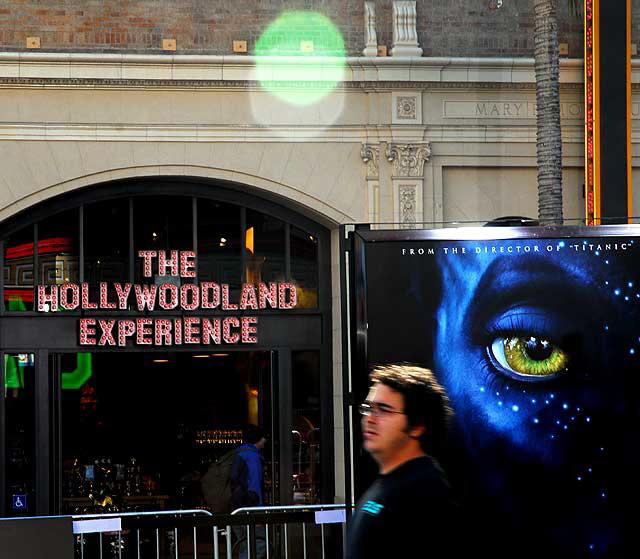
(167, 296)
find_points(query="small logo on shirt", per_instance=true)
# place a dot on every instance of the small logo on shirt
(371, 507)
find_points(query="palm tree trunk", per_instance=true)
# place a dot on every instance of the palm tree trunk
(549, 139)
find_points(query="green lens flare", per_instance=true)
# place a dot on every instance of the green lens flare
(533, 356)
(300, 58)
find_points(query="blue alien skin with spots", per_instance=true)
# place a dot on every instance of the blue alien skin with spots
(538, 350)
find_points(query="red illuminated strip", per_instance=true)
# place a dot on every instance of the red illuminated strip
(55, 244)
(591, 113)
(25, 295)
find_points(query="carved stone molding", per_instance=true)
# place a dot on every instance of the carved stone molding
(370, 155)
(370, 36)
(408, 159)
(407, 206)
(389, 85)
(405, 35)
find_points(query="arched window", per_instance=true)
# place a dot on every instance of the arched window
(98, 241)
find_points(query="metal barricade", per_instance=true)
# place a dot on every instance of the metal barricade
(287, 532)
(110, 538)
(323, 515)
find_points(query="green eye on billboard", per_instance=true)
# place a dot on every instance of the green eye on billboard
(300, 58)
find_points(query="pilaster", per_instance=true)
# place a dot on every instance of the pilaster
(407, 179)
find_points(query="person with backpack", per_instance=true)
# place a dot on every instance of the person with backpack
(247, 485)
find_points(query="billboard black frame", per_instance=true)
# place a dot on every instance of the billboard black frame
(354, 238)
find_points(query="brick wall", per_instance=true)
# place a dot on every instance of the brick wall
(471, 28)
(445, 27)
(199, 26)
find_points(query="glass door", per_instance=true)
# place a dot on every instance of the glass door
(18, 405)
(138, 431)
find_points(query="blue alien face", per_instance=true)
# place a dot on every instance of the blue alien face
(536, 344)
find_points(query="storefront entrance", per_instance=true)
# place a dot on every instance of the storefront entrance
(136, 431)
(139, 430)
(141, 326)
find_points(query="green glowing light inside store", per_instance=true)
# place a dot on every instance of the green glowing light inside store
(16, 304)
(71, 380)
(300, 58)
(13, 376)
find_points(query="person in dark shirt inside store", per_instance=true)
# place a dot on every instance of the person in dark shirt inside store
(409, 510)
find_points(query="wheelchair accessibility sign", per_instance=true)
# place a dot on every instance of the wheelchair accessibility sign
(19, 502)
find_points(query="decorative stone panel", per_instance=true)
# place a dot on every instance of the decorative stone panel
(408, 202)
(407, 205)
(406, 107)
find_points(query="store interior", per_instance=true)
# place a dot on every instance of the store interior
(139, 430)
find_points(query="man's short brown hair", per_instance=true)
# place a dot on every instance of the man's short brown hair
(425, 401)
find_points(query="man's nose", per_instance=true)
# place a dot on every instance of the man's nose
(371, 418)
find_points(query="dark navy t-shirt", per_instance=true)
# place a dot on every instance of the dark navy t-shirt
(409, 512)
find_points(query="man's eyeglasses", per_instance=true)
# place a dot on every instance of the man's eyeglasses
(375, 409)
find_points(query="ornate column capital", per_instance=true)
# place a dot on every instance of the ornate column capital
(408, 159)
(370, 154)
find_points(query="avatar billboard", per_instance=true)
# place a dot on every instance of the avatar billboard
(535, 335)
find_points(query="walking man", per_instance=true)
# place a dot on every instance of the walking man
(409, 510)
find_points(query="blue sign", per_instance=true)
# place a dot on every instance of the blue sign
(19, 502)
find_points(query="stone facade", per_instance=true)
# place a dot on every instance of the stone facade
(136, 114)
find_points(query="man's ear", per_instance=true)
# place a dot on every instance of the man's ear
(417, 431)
